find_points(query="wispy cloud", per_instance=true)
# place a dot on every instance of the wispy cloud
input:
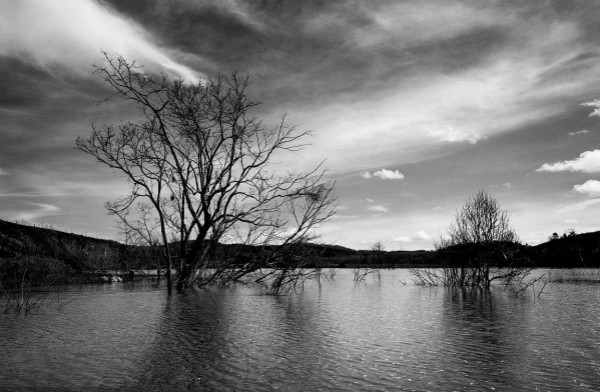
(590, 188)
(587, 162)
(461, 82)
(579, 206)
(378, 208)
(418, 236)
(71, 33)
(507, 185)
(452, 135)
(38, 210)
(16, 111)
(582, 132)
(384, 174)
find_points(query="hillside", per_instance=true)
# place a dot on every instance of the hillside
(568, 251)
(83, 253)
(79, 253)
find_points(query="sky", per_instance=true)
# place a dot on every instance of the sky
(414, 105)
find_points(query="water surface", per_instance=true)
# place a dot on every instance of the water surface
(378, 335)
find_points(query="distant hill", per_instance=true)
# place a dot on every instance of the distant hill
(38, 256)
(82, 253)
(568, 251)
(79, 252)
(328, 256)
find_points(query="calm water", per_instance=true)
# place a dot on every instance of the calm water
(377, 335)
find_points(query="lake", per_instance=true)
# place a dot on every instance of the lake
(336, 335)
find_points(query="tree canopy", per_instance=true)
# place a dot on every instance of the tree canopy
(202, 169)
(481, 221)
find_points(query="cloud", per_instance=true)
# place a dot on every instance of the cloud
(470, 75)
(507, 185)
(344, 217)
(377, 208)
(593, 104)
(581, 206)
(13, 111)
(425, 73)
(590, 188)
(384, 174)
(39, 210)
(421, 73)
(571, 221)
(418, 236)
(422, 235)
(582, 132)
(71, 33)
(588, 162)
(451, 135)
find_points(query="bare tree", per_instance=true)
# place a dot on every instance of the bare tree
(378, 248)
(377, 251)
(481, 221)
(480, 249)
(202, 172)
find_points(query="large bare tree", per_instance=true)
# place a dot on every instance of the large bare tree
(203, 171)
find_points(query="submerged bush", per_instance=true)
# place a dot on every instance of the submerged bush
(481, 248)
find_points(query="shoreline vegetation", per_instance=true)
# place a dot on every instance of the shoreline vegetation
(35, 259)
(45, 257)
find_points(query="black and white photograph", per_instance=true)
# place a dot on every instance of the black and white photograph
(299, 195)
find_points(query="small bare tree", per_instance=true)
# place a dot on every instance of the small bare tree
(202, 172)
(480, 248)
(361, 273)
(481, 221)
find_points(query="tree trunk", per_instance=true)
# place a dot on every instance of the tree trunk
(168, 276)
(184, 274)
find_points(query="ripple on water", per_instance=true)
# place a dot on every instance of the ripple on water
(336, 336)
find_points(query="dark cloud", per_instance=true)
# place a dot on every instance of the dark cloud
(23, 86)
(461, 52)
(313, 51)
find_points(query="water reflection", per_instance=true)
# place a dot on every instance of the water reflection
(97, 339)
(478, 338)
(333, 335)
(228, 339)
